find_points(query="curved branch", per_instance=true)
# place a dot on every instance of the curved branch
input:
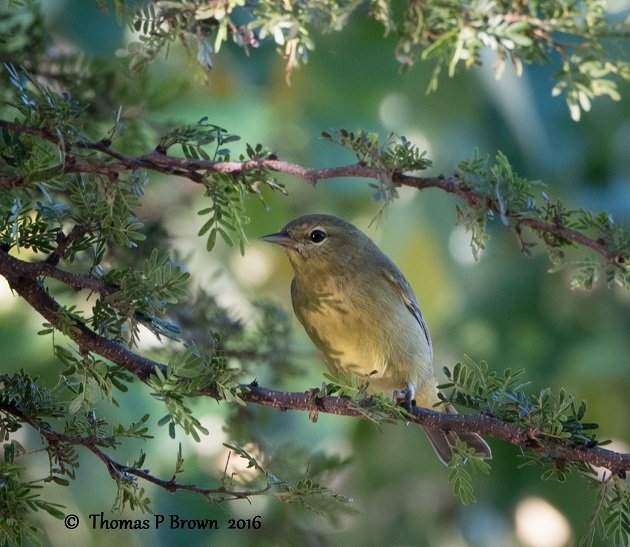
(198, 170)
(23, 279)
(119, 471)
(451, 186)
(617, 463)
(596, 245)
(73, 280)
(173, 486)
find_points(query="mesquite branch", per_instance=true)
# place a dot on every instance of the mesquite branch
(24, 279)
(119, 471)
(111, 163)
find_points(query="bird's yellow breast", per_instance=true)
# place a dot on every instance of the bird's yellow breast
(356, 332)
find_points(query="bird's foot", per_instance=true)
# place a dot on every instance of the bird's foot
(405, 398)
(313, 412)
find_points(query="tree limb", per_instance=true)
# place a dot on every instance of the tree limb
(24, 281)
(198, 170)
(73, 280)
(118, 471)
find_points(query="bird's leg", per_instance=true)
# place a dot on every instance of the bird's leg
(406, 397)
(313, 412)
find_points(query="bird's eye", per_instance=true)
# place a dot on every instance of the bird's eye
(317, 236)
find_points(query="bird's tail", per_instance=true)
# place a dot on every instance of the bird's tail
(443, 441)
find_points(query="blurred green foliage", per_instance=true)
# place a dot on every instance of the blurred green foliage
(504, 309)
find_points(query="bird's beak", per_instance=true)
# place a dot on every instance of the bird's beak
(280, 238)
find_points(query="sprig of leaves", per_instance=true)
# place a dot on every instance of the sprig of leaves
(377, 407)
(228, 192)
(188, 374)
(556, 419)
(555, 416)
(24, 393)
(172, 392)
(142, 295)
(297, 480)
(18, 500)
(496, 190)
(395, 154)
(443, 32)
(464, 463)
(611, 516)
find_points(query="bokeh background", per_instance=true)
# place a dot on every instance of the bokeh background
(505, 308)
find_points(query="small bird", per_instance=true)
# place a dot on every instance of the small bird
(362, 314)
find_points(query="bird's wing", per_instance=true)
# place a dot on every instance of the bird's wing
(404, 290)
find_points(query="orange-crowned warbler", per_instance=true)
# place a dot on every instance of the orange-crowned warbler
(362, 314)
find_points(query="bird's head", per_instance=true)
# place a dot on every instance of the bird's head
(319, 243)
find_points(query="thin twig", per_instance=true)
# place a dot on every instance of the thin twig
(119, 471)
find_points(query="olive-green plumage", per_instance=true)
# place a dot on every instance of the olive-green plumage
(362, 314)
